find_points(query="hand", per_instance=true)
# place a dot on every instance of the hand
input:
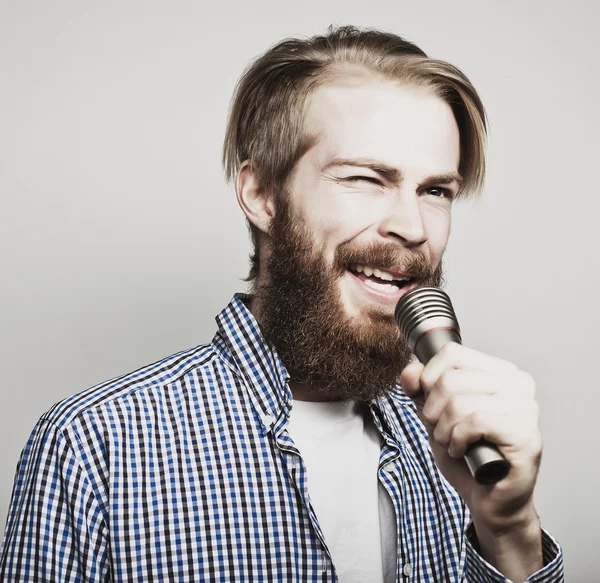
(469, 395)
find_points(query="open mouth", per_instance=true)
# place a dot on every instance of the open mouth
(381, 280)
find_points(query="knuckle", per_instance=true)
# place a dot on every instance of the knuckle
(455, 408)
(475, 420)
(426, 379)
(440, 435)
(456, 439)
(450, 350)
(445, 383)
(429, 413)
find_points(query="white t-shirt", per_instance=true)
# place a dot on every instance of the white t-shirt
(340, 446)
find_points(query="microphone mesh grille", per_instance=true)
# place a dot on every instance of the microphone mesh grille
(423, 304)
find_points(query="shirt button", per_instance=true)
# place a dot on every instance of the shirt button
(389, 467)
(407, 569)
(268, 420)
(323, 562)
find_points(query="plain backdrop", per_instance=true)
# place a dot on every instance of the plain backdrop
(120, 241)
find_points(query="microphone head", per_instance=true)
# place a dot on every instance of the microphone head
(424, 310)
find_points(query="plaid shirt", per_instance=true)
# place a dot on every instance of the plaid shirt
(184, 471)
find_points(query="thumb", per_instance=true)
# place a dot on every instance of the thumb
(410, 379)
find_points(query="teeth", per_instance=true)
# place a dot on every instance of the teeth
(381, 287)
(384, 275)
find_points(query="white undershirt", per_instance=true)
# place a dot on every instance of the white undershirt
(340, 446)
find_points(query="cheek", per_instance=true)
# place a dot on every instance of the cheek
(354, 213)
(339, 220)
(438, 231)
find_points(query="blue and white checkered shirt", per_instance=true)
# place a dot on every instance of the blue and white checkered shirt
(184, 471)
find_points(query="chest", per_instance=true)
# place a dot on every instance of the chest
(235, 506)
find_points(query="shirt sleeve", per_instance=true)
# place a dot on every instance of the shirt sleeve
(55, 529)
(480, 571)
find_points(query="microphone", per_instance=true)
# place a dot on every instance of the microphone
(427, 320)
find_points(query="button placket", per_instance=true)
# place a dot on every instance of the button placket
(267, 420)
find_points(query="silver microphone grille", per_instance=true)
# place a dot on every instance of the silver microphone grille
(422, 310)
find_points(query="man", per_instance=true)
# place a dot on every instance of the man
(285, 450)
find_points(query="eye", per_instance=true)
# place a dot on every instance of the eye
(370, 179)
(440, 192)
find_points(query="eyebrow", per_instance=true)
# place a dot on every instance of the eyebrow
(446, 178)
(391, 173)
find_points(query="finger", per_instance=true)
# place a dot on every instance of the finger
(410, 379)
(452, 383)
(516, 434)
(465, 407)
(457, 356)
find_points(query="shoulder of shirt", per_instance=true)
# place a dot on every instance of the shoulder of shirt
(155, 376)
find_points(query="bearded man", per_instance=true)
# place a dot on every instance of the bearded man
(290, 447)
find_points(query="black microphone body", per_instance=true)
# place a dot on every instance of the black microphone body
(427, 320)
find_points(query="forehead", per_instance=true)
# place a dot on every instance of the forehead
(397, 124)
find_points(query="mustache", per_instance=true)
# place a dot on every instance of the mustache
(386, 256)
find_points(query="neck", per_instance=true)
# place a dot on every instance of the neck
(302, 392)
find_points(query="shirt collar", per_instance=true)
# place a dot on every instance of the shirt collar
(240, 342)
(391, 410)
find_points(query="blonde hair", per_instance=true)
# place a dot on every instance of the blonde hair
(271, 98)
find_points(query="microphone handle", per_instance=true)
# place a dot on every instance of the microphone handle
(483, 459)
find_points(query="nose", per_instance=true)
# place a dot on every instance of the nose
(404, 221)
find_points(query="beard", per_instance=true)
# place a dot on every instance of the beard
(300, 312)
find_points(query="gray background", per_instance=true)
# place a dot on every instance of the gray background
(119, 240)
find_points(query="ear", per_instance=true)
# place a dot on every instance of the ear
(257, 204)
